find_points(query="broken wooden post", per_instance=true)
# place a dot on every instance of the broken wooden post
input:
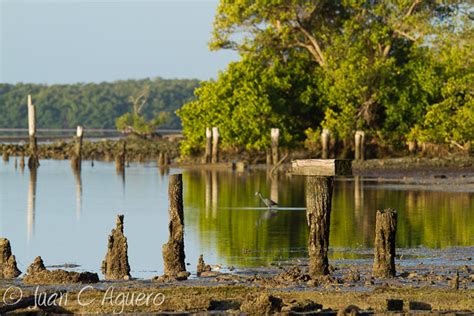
(115, 265)
(33, 161)
(275, 135)
(166, 159)
(161, 159)
(215, 145)
(120, 159)
(6, 155)
(325, 135)
(22, 161)
(76, 160)
(359, 139)
(318, 189)
(173, 250)
(208, 150)
(385, 230)
(268, 157)
(8, 267)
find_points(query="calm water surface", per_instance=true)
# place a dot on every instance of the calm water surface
(66, 218)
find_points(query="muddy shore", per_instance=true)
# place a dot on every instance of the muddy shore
(423, 275)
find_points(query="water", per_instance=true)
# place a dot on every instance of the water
(66, 218)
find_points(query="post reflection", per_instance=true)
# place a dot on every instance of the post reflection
(31, 204)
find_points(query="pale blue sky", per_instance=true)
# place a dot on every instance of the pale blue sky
(66, 41)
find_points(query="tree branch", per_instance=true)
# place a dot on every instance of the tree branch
(314, 43)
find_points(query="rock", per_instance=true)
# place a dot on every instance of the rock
(261, 304)
(8, 267)
(38, 274)
(353, 275)
(293, 275)
(394, 305)
(419, 306)
(350, 310)
(202, 267)
(115, 265)
(301, 306)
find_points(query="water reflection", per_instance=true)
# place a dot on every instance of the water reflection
(31, 204)
(245, 233)
(78, 178)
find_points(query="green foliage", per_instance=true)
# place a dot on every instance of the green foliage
(365, 65)
(249, 99)
(137, 124)
(92, 105)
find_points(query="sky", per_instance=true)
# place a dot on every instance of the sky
(69, 41)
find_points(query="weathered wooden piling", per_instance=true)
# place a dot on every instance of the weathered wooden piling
(120, 158)
(385, 231)
(33, 161)
(115, 265)
(215, 145)
(319, 189)
(76, 160)
(173, 250)
(318, 214)
(208, 149)
(8, 267)
(275, 135)
(161, 159)
(325, 137)
(359, 140)
(22, 162)
(268, 157)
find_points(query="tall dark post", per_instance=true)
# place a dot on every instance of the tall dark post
(275, 135)
(208, 150)
(33, 161)
(76, 161)
(385, 231)
(318, 214)
(120, 159)
(173, 250)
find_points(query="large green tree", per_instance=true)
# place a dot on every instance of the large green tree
(373, 60)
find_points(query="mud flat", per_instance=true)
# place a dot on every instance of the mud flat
(427, 281)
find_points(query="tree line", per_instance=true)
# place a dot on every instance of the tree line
(93, 105)
(400, 70)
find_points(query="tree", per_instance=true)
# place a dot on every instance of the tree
(134, 122)
(359, 48)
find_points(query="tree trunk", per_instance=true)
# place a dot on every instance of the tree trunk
(318, 214)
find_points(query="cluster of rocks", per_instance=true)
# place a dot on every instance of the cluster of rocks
(38, 274)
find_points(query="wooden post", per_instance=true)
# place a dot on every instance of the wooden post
(22, 161)
(318, 214)
(275, 135)
(6, 155)
(120, 159)
(325, 135)
(385, 230)
(215, 145)
(359, 139)
(166, 159)
(161, 159)
(33, 161)
(207, 154)
(173, 250)
(269, 157)
(76, 161)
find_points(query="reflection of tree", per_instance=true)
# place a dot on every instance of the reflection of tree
(243, 237)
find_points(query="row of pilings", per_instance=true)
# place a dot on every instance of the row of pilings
(318, 199)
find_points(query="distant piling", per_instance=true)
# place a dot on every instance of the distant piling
(33, 161)
(275, 135)
(215, 145)
(6, 155)
(76, 160)
(120, 158)
(385, 231)
(325, 137)
(208, 149)
(359, 140)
